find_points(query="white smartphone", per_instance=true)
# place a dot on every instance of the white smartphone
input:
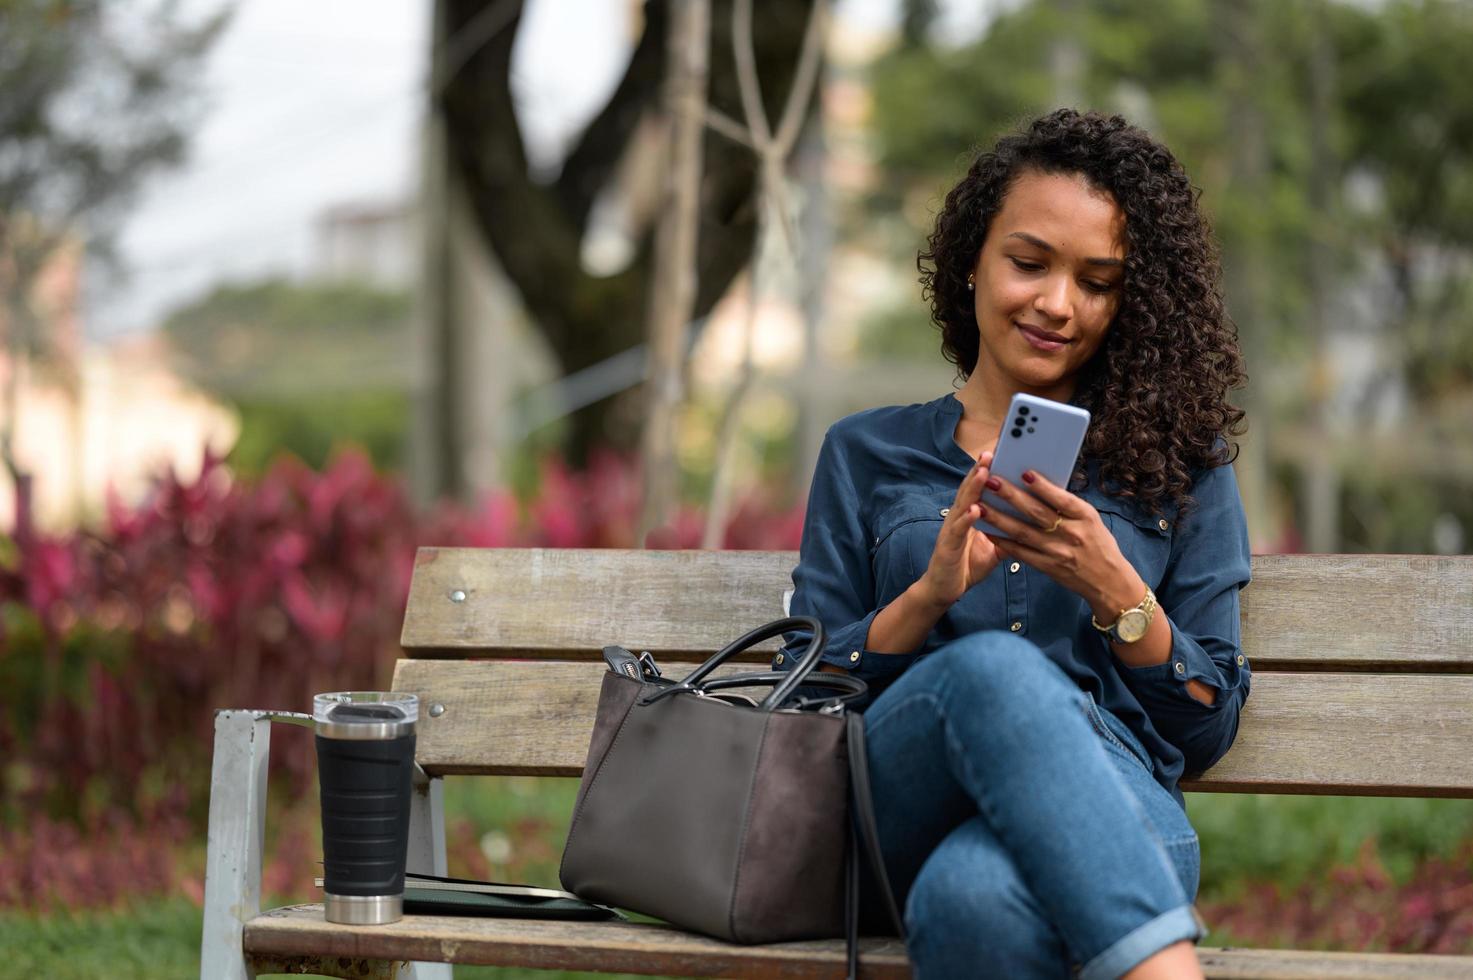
(1040, 435)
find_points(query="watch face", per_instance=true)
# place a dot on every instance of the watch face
(1132, 626)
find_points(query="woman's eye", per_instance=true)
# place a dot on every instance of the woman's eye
(1026, 266)
(1098, 287)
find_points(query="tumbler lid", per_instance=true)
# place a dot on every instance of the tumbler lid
(365, 714)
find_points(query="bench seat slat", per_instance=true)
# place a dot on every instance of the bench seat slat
(610, 947)
(1358, 734)
(652, 949)
(1303, 612)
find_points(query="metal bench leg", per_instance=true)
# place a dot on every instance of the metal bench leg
(237, 841)
(237, 834)
(427, 852)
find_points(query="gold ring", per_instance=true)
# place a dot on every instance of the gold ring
(1055, 526)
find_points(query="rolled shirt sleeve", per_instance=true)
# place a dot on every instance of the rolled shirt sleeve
(1209, 565)
(834, 580)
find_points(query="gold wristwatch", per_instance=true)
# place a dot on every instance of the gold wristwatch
(1133, 623)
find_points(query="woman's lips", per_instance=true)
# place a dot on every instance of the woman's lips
(1041, 340)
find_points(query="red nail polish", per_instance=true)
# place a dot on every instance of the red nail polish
(1028, 476)
(981, 511)
(993, 483)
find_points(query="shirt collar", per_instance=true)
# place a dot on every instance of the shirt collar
(946, 411)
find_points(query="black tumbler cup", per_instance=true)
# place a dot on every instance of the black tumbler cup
(365, 764)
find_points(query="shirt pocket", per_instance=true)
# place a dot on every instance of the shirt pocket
(905, 536)
(1144, 538)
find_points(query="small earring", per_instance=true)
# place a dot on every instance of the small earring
(971, 281)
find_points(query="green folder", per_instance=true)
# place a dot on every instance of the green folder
(422, 901)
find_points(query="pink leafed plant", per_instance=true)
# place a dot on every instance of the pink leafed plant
(118, 642)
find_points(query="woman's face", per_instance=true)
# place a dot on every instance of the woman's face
(1047, 283)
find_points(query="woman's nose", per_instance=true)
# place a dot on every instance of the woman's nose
(1054, 299)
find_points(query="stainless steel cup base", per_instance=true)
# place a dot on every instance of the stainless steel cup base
(363, 910)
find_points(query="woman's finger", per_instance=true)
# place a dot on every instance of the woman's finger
(1031, 557)
(1054, 495)
(970, 492)
(1009, 525)
(1036, 510)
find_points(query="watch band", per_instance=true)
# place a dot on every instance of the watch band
(1147, 606)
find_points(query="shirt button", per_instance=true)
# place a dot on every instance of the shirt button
(945, 511)
(1014, 567)
(1181, 668)
(778, 660)
(1017, 625)
(1240, 660)
(854, 657)
(1162, 524)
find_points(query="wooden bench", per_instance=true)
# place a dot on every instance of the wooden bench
(1363, 685)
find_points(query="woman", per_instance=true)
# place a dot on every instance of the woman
(1024, 758)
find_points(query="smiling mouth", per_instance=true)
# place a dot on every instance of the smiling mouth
(1042, 339)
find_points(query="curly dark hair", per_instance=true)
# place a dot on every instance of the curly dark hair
(1157, 390)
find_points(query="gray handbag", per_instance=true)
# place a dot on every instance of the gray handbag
(726, 816)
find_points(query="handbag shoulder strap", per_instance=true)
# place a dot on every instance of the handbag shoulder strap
(867, 831)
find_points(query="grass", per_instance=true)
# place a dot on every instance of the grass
(513, 828)
(153, 940)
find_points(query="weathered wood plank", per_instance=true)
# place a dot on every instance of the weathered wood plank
(1360, 612)
(547, 602)
(1370, 734)
(610, 947)
(1351, 734)
(530, 718)
(1285, 964)
(652, 949)
(1302, 612)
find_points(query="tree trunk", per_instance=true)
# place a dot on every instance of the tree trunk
(1322, 473)
(673, 299)
(1245, 273)
(1066, 55)
(437, 330)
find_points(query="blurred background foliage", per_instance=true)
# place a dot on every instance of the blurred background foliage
(307, 366)
(1333, 145)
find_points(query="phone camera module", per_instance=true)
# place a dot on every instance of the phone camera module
(1020, 421)
(1017, 433)
(1022, 409)
(1030, 428)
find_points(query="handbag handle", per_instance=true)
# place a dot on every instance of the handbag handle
(777, 627)
(843, 687)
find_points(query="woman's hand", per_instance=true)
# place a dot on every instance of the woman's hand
(963, 556)
(1067, 541)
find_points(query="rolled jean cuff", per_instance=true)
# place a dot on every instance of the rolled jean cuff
(1162, 931)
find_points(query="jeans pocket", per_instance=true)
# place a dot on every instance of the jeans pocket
(1186, 858)
(1105, 732)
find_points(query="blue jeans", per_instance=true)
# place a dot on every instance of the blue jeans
(1021, 827)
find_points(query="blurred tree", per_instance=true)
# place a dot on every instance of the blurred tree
(308, 366)
(1278, 112)
(1408, 111)
(91, 103)
(276, 336)
(916, 18)
(674, 273)
(536, 226)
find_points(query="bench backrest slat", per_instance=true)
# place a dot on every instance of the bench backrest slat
(1392, 734)
(1302, 612)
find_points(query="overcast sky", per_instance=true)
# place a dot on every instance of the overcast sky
(316, 103)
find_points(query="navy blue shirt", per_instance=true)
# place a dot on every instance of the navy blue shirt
(884, 481)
